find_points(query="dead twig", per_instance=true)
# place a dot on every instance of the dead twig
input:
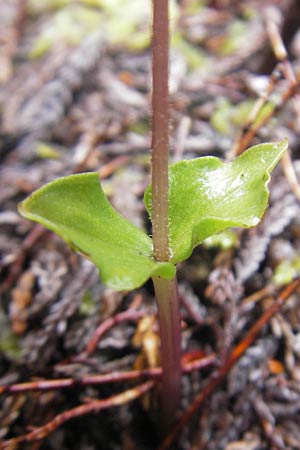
(290, 175)
(105, 326)
(9, 38)
(114, 377)
(283, 67)
(249, 301)
(92, 406)
(37, 232)
(282, 56)
(247, 132)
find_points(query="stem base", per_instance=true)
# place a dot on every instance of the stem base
(170, 334)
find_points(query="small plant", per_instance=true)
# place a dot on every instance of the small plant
(187, 202)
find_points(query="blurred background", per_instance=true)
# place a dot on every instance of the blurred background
(75, 96)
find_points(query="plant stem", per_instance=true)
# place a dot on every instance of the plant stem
(165, 290)
(169, 324)
(160, 129)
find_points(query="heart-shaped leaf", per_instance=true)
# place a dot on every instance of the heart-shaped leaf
(76, 208)
(206, 196)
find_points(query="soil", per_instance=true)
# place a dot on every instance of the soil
(74, 98)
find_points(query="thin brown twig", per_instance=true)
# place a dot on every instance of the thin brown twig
(234, 356)
(93, 406)
(114, 377)
(242, 140)
(9, 41)
(85, 148)
(36, 233)
(257, 296)
(282, 55)
(283, 67)
(105, 326)
(290, 175)
(285, 97)
(108, 169)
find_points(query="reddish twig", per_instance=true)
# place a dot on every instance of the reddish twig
(234, 356)
(105, 326)
(92, 406)
(283, 67)
(282, 55)
(113, 165)
(244, 140)
(15, 269)
(114, 377)
(246, 133)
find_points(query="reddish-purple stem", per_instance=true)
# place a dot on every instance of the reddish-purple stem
(160, 129)
(232, 359)
(165, 290)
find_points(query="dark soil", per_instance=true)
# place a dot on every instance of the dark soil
(73, 105)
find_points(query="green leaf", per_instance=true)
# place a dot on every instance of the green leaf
(206, 196)
(76, 208)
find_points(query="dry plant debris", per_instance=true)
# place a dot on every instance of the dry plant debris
(71, 104)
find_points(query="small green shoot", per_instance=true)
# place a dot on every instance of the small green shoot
(188, 201)
(206, 196)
